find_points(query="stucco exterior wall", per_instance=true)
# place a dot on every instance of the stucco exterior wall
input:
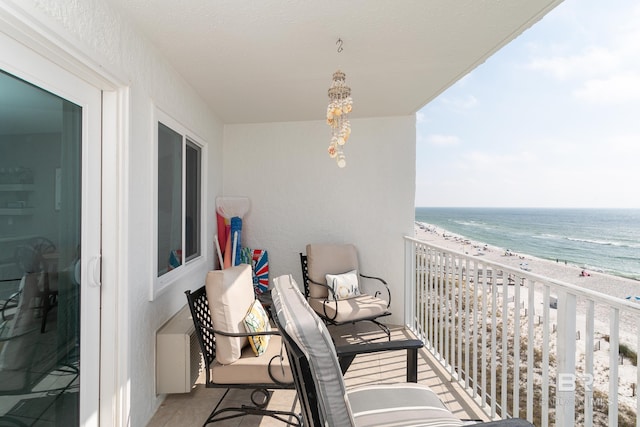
(299, 195)
(101, 34)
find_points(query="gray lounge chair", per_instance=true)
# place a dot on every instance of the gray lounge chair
(323, 396)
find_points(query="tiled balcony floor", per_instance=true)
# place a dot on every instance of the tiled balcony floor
(186, 410)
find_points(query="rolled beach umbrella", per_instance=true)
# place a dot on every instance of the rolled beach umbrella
(228, 207)
(236, 234)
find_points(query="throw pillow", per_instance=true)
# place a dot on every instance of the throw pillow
(344, 285)
(257, 320)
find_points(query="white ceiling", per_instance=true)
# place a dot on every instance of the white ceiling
(259, 61)
(272, 60)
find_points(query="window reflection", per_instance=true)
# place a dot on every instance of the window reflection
(40, 152)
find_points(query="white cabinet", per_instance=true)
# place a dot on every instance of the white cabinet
(178, 357)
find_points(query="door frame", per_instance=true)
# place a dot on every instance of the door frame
(27, 25)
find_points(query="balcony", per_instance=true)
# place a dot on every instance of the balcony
(477, 319)
(192, 409)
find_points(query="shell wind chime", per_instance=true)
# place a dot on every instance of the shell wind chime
(340, 105)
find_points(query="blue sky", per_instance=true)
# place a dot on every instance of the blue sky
(551, 120)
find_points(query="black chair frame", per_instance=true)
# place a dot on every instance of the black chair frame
(303, 378)
(307, 393)
(261, 394)
(331, 320)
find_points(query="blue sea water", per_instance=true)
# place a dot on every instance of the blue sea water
(605, 240)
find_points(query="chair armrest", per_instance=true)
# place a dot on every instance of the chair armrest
(374, 277)
(245, 334)
(329, 288)
(239, 334)
(327, 300)
(355, 349)
(347, 353)
(386, 286)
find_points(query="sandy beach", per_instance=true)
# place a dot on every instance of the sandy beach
(611, 285)
(615, 286)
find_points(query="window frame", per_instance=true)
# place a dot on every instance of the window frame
(198, 235)
(160, 284)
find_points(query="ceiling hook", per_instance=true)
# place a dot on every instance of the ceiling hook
(339, 43)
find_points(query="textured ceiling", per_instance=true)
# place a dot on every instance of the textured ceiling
(272, 60)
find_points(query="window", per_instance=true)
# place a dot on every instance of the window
(179, 199)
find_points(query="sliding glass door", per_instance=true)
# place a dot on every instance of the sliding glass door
(49, 243)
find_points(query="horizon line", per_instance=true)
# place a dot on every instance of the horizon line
(527, 207)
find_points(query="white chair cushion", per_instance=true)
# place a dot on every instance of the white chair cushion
(350, 310)
(305, 327)
(250, 369)
(230, 294)
(405, 404)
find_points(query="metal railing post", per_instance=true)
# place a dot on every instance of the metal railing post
(410, 283)
(566, 341)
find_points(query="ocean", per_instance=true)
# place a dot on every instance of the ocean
(606, 240)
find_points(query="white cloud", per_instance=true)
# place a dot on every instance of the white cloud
(612, 90)
(460, 104)
(467, 79)
(593, 61)
(443, 140)
(488, 162)
(612, 46)
(625, 144)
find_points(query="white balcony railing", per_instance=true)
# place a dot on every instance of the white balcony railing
(524, 345)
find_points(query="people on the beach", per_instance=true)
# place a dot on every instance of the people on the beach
(585, 273)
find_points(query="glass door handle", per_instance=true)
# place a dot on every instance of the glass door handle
(94, 267)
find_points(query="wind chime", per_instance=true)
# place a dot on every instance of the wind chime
(340, 105)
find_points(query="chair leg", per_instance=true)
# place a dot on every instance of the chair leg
(384, 328)
(258, 409)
